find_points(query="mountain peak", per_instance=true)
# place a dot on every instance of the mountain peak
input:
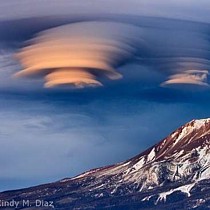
(180, 163)
(197, 123)
(184, 138)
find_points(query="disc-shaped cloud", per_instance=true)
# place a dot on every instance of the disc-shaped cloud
(79, 54)
(79, 78)
(193, 77)
(85, 53)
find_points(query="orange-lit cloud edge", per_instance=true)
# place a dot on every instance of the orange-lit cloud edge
(78, 54)
(81, 54)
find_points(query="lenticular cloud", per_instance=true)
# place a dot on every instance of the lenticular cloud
(193, 77)
(84, 54)
(79, 54)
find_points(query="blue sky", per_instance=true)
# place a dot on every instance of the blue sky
(50, 134)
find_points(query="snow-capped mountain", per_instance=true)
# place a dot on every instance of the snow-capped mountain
(174, 172)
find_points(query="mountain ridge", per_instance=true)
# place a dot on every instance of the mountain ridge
(177, 166)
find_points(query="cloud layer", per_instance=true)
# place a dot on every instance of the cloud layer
(193, 77)
(84, 53)
(79, 54)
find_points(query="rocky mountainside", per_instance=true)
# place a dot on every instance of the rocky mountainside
(173, 174)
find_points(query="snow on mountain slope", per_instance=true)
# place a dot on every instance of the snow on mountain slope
(178, 165)
(183, 156)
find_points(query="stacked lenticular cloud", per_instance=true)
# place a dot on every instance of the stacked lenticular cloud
(79, 54)
(84, 54)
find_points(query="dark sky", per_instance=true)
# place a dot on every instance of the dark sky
(49, 134)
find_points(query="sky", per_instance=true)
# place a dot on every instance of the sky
(85, 84)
